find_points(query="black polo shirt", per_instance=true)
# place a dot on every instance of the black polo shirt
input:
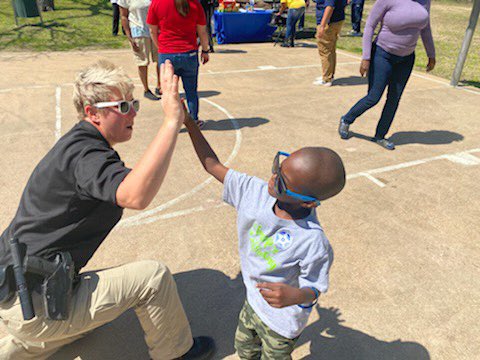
(69, 202)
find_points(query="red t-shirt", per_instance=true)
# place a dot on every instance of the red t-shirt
(178, 34)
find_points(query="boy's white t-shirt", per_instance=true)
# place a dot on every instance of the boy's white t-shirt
(293, 252)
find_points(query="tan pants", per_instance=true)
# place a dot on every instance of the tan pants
(100, 297)
(327, 45)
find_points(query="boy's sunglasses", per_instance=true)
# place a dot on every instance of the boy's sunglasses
(280, 187)
(123, 106)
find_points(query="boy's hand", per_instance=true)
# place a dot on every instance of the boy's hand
(188, 117)
(279, 295)
(172, 106)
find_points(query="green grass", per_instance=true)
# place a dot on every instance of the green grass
(449, 21)
(74, 24)
(80, 24)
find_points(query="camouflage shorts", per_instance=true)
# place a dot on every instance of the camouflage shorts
(255, 340)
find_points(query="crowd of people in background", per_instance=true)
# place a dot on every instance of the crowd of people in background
(174, 34)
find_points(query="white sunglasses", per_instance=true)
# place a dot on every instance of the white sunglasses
(123, 106)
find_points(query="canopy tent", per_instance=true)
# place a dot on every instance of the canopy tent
(462, 56)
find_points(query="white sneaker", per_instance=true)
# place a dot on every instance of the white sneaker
(321, 82)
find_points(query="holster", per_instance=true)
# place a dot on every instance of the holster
(57, 289)
(55, 277)
(57, 284)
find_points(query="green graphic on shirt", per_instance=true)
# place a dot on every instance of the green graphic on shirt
(263, 246)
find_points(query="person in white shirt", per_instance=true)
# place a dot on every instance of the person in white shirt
(134, 22)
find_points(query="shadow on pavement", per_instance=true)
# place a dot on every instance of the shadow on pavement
(351, 80)
(470, 83)
(306, 45)
(212, 302)
(331, 340)
(229, 51)
(122, 339)
(432, 137)
(203, 94)
(227, 124)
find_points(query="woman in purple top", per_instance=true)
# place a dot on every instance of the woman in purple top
(389, 60)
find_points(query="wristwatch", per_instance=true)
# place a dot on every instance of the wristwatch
(206, 51)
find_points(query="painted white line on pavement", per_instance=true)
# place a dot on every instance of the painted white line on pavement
(58, 113)
(270, 68)
(463, 157)
(143, 217)
(171, 215)
(372, 179)
(267, 67)
(468, 90)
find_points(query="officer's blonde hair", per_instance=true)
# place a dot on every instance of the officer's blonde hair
(96, 82)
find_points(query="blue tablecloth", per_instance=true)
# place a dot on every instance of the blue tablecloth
(237, 27)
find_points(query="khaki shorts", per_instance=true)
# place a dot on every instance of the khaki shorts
(147, 51)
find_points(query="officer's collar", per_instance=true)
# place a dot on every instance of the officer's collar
(88, 127)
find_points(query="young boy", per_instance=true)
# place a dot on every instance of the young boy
(285, 256)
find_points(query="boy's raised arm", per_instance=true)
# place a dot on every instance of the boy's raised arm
(207, 156)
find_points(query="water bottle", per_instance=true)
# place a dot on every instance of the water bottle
(252, 4)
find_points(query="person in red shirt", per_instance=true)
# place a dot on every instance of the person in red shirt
(174, 27)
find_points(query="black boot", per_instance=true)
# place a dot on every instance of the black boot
(203, 348)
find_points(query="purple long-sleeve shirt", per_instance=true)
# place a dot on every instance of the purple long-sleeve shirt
(403, 21)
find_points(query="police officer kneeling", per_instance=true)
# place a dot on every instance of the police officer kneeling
(73, 199)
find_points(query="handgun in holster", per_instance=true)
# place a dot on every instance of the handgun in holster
(56, 288)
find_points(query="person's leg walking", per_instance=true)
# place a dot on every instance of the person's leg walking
(398, 81)
(142, 54)
(190, 82)
(336, 28)
(153, 53)
(290, 24)
(116, 19)
(325, 47)
(209, 15)
(355, 17)
(360, 15)
(143, 74)
(301, 22)
(378, 77)
(297, 15)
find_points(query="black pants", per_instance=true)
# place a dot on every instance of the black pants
(208, 14)
(116, 19)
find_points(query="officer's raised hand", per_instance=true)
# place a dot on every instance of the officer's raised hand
(171, 104)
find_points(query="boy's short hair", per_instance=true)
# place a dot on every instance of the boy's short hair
(96, 82)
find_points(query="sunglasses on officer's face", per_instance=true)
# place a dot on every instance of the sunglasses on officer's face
(280, 187)
(123, 106)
